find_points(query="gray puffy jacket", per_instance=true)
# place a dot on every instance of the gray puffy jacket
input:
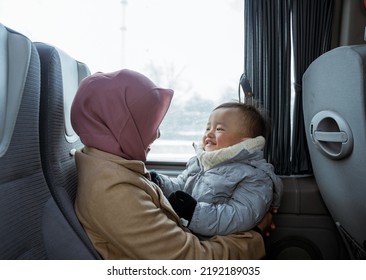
(232, 196)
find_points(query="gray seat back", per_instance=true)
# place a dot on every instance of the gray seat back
(23, 190)
(334, 91)
(60, 77)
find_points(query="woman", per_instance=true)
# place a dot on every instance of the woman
(126, 216)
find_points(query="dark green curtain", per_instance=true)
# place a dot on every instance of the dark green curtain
(268, 68)
(312, 26)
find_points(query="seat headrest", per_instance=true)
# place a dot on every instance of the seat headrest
(15, 54)
(72, 72)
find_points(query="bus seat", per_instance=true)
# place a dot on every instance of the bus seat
(23, 190)
(31, 224)
(334, 91)
(60, 77)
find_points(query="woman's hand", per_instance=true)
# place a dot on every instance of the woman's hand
(266, 224)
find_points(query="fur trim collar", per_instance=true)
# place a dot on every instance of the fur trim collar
(209, 159)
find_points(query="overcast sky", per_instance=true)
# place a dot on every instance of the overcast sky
(200, 39)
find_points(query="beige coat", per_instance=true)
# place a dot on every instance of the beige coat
(126, 216)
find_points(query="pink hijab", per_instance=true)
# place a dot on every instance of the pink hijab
(119, 112)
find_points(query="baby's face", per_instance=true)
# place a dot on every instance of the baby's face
(224, 129)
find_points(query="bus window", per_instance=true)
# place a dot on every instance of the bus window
(193, 47)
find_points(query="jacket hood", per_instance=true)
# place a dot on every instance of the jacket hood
(119, 112)
(248, 151)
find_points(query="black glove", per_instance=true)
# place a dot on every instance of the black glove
(183, 204)
(155, 178)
